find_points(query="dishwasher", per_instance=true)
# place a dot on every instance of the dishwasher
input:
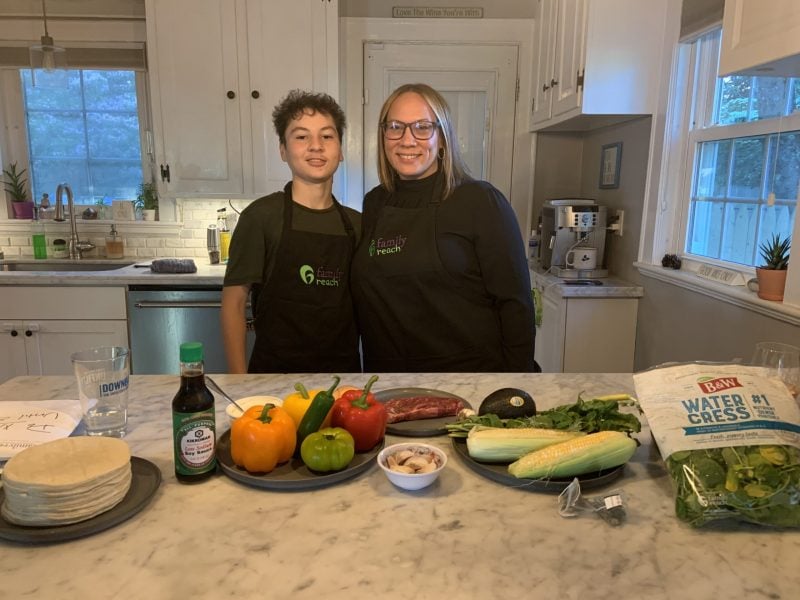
(161, 318)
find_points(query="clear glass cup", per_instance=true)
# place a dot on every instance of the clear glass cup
(783, 359)
(102, 374)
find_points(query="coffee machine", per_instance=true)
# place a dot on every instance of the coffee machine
(572, 223)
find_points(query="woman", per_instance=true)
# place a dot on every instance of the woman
(440, 278)
(295, 247)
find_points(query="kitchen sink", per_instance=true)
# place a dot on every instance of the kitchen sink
(62, 265)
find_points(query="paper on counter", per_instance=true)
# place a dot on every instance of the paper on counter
(25, 424)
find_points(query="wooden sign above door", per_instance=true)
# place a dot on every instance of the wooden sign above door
(436, 12)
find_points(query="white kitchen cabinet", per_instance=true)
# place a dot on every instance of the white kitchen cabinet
(596, 63)
(41, 326)
(761, 38)
(586, 333)
(217, 69)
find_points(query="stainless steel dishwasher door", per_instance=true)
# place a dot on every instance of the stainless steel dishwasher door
(160, 319)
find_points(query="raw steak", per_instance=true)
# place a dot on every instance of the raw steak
(422, 407)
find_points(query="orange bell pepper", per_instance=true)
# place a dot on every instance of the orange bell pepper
(262, 438)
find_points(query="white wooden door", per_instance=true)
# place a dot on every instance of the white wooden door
(569, 55)
(479, 83)
(194, 74)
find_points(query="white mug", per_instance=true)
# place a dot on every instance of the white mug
(582, 258)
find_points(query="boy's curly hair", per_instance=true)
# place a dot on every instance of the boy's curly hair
(298, 102)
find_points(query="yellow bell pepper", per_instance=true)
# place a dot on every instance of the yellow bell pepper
(297, 403)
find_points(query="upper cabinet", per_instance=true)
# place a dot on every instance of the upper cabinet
(217, 69)
(761, 38)
(597, 62)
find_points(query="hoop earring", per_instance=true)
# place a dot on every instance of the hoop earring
(440, 153)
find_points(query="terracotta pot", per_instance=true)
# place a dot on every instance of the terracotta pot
(23, 210)
(771, 283)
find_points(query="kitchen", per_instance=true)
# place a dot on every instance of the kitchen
(676, 320)
(651, 555)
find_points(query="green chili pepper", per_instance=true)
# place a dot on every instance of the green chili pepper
(316, 413)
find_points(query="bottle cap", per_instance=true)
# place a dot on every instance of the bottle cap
(191, 352)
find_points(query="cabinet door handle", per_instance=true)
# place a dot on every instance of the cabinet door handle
(165, 173)
(231, 94)
(28, 333)
(14, 333)
(553, 82)
(255, 94)
(545, 87)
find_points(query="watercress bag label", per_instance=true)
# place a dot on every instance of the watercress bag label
(730, 436)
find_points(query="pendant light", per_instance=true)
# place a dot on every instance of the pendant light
(46, 55)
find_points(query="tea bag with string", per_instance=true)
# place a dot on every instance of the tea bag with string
(610, 506)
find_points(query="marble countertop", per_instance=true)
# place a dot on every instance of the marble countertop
(463, 537)
(612, 287)
(207, 274)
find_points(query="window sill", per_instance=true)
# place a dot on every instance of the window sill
(737, 295)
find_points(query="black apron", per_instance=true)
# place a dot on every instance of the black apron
(413, 315)
(304, 318)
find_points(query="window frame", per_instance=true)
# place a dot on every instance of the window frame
(12, 118)
(674, 144)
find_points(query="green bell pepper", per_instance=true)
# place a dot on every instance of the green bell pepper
(329, 449)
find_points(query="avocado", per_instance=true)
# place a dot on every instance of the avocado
(508, 403)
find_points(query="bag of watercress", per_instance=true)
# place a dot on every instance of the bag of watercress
(730, 437)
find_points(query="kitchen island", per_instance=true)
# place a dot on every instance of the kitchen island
(463, 537)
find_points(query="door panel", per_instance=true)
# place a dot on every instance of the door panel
(479, 84)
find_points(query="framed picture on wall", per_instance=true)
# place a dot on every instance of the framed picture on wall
(610, 161)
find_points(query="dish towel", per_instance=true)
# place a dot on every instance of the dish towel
(537, 306)
(173, 265)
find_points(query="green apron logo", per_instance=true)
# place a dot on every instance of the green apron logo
(307, 274)
(372, 248)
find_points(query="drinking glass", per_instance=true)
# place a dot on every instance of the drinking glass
(783, 359)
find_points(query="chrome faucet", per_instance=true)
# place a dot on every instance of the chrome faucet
(76, 247)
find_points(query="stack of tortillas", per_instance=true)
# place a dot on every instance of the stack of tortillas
(66, 481)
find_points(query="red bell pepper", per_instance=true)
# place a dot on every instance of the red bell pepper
(362, 415)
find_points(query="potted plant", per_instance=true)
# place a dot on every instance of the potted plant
(772, 274)
(16, 186)
(147, 201)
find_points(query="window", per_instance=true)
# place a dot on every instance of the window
(743, 149)
(83, 128)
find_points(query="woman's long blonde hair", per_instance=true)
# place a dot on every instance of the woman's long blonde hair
(451, 163)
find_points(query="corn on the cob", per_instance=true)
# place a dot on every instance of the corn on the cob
(588, 454)
(497, 444)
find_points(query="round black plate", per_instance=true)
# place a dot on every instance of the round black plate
(499, 472)
(293, 475)
(421, 427)
(145, 482)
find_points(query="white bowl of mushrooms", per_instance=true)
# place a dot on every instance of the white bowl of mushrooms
(412, 465)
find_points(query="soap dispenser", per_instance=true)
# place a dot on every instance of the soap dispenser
(115, 245)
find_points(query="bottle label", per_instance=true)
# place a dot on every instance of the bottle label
(195, 442)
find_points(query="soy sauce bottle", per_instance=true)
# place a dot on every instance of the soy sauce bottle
(193, 422)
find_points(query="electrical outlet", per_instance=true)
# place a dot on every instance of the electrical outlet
(616, 225)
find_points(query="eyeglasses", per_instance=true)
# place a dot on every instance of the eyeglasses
(421, 130)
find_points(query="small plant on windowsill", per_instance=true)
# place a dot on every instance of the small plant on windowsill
(772, 274)
(16, 185)
(147, 201)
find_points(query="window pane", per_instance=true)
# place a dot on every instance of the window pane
(734, 100)
(705, 229)
(748, 167)
(739, 228)
(712, 175)
(741, 99)
(785, 175)
(83, 129)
